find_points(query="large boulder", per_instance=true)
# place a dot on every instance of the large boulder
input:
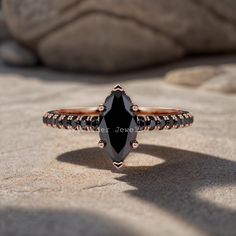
(4, 34)
(114, 35)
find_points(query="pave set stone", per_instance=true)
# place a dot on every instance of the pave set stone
(164, 122)
(73, 122)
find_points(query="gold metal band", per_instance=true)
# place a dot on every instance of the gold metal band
(141, 111)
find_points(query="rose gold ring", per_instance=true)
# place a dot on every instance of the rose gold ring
(118, 121)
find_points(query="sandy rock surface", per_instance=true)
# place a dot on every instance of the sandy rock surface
(213, 78)
(55, 182)
(193, 77)
(114, 35)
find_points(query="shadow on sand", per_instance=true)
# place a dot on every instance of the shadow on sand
(19, 222)
(173, 184)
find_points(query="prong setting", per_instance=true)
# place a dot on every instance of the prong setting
(118, 165)
(134, 144)
(101, 144)
(134, 108)
(101, 108)
(117, 88)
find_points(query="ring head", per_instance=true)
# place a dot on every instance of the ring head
(118, 125)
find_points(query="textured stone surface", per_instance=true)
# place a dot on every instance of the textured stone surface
(54, 182)
(117, 35)
(213, 78)
(194, 76)
(16, 54)
(4, 33)
(225, 83)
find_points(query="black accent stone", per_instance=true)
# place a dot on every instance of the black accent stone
(178, 122)
(66, 122)
(170, 122)
(54, 121)
(161, 123)
(84, 123)
(59, 122)
(118, 125)
(141, 123)
(151, 123)
(50, 121)
(74, 122)
(95, 123)
(45, 119)
(191, 120)
(186, 121)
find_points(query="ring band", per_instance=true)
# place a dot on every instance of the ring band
(118, 120)
(148, 118)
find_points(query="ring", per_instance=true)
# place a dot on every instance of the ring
(118, 121)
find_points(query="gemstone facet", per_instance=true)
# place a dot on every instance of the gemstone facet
(118, 127)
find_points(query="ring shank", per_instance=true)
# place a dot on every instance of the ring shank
(78, 111)
(142, 111)
(147, 118)
(158, 111)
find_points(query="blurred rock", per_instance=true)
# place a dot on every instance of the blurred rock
(192, 76)
(16, 54)
(114, 35)
(4, 34)
(220, 79)
(225, 83)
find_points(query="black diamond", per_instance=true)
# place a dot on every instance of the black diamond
(118, 125)
(95, 123)
(50, 121)
(191, 120)
(151, 123)
(141, 123)
(170, 123)
(178, 122)
(45, 119)
(186, 121)
(66, 122)
(161, 123)
(74, 122)
(84, 123)
(59, 122)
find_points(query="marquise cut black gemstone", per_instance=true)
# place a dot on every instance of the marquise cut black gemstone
(118, 127)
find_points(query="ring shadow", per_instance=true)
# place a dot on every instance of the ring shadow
(49, 222)
(175, 185)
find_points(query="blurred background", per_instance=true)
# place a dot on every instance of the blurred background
(173, 53)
